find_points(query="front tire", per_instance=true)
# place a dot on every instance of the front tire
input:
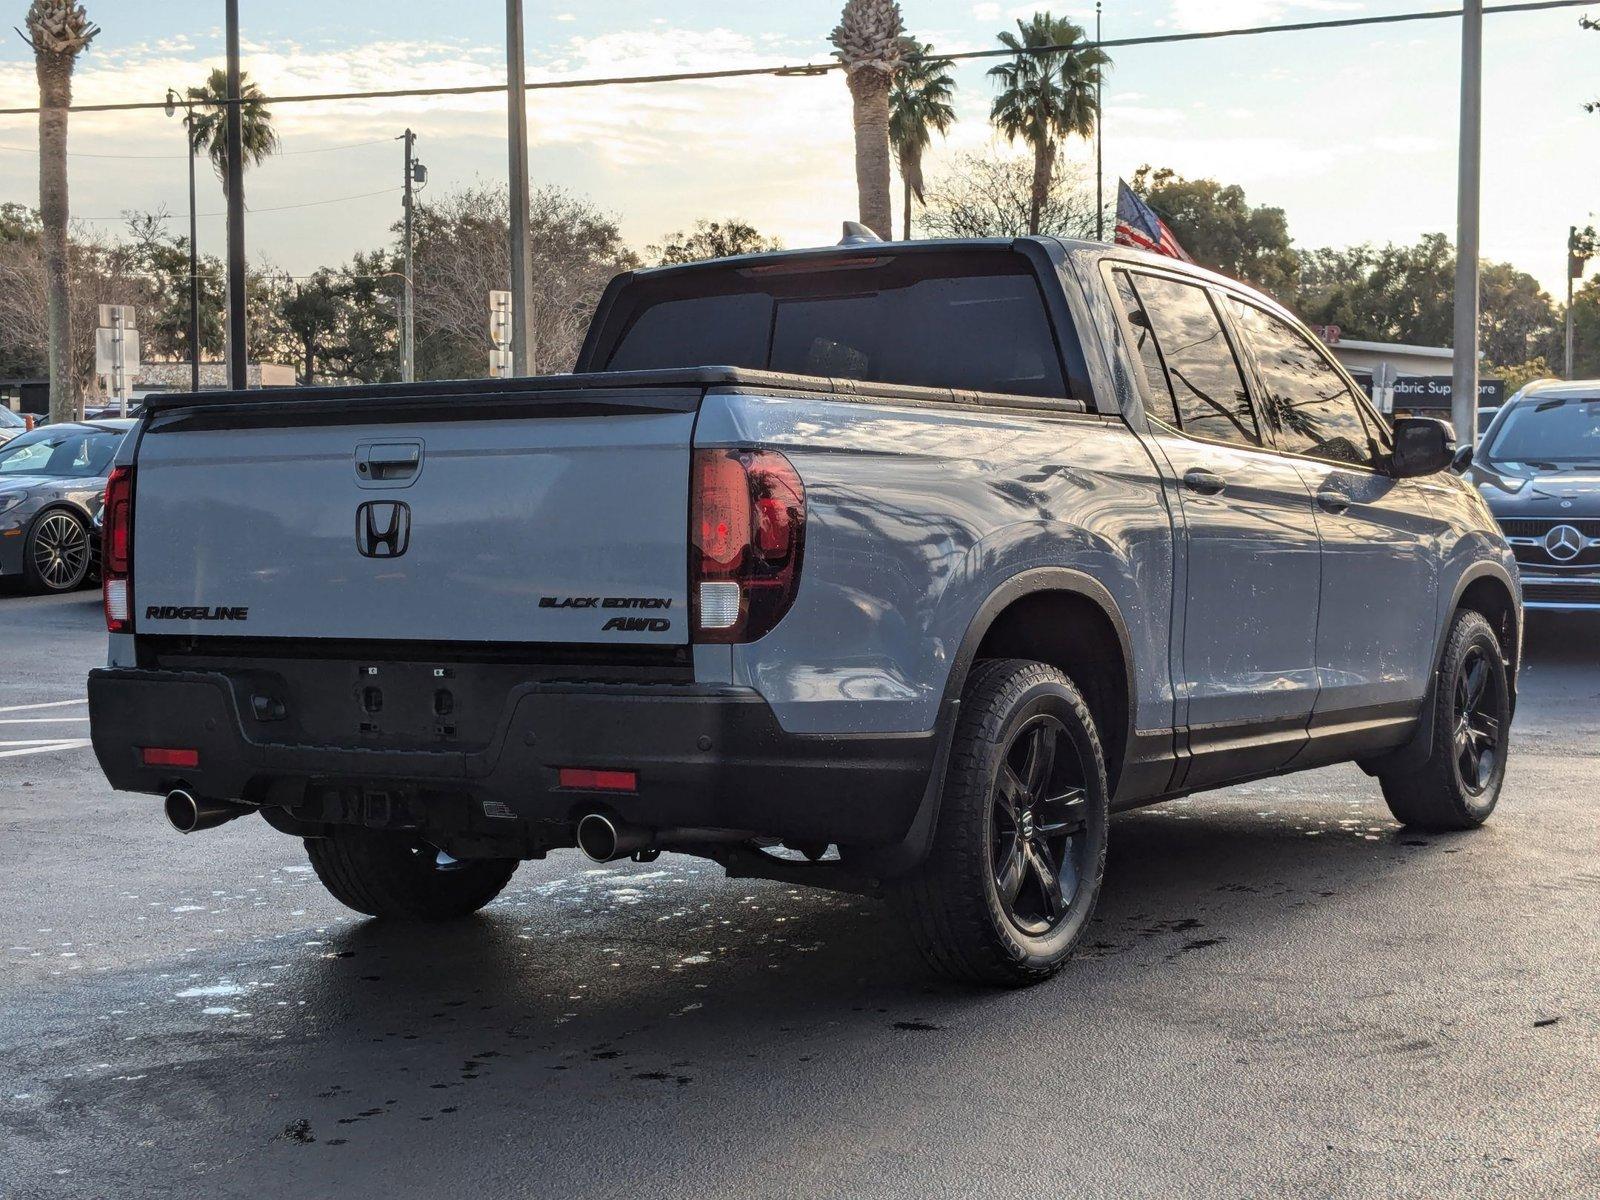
(1014, 872)
(56, 556)
(1459, 784)
(401, 877)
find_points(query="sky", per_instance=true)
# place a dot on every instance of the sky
(1351, 132)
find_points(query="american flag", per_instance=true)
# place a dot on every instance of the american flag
(1138, 225)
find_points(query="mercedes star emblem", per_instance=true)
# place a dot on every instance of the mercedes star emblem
(1563, 543)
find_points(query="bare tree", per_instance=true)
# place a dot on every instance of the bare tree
(981, 195)
(461, 255)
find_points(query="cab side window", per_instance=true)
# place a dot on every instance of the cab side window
(1307, 403)
(1190, 365)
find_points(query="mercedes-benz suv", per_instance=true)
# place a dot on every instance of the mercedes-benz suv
(1539, 469)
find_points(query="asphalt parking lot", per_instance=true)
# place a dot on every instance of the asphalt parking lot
(1283, 994)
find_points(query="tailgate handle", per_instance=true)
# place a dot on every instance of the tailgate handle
(388, 464)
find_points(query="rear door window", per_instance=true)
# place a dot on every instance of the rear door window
(1199, 372)
(971, 322)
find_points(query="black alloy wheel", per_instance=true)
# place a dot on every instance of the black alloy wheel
(1037, 823)
(1479, 731)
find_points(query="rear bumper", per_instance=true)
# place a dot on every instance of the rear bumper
(711, 758)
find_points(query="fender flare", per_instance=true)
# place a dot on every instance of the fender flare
(909, 852)
(1415, 752)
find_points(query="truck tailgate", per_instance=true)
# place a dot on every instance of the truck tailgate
(567, 525)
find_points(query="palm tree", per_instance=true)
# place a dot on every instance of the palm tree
(209, 132)
(870, 41)
(58, 31)
(1046, 97)
(919, 107)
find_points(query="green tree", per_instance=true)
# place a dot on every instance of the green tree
(209, 132)
(1221, 229)
(919, 107)
(1586, 331)
(870, 41)
(58, 31)
(711, 239)
(1047, 97)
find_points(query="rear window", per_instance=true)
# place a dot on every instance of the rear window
(975, 322)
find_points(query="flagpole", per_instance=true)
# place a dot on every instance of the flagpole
(1099, 161)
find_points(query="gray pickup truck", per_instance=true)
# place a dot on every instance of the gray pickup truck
(894, 568)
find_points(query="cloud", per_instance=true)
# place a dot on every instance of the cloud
(1197, 15)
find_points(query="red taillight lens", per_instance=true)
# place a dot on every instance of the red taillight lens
(165, 756)
(116, 550)
(588, 779)
(748, 526)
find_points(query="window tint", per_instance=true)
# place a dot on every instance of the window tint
(970, 322)
(67, 451)
(1207, 385)
(1144, 342)
(1308, 405)
(698, 331)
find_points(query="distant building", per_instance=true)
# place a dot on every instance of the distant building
(1422, 375)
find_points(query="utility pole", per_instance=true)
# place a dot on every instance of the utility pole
(408, 300)
(522, 348)
(238, 367)
(1464, 376)
(1099, 161)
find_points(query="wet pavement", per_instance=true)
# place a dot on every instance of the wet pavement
(1283, 994)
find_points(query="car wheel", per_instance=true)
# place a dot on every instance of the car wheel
(403, 877)
(1459, 785)
(1014, 872)
(56, 556)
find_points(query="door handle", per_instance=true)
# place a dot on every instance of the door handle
(388, 464)
(1333, 502)
(1207, 483)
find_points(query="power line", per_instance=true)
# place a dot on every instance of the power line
(131, 214)
(823, 68)
(181, 157)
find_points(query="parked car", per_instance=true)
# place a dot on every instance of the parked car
(966, 545)
(11, 425)
(1486, 417)
(1538, 467)
(52, 482)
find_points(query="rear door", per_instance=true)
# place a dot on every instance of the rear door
(1375, 633)
(532, 520)
(1247, 682)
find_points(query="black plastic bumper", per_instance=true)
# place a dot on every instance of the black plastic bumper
(705, 758)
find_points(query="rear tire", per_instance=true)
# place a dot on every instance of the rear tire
(400, 877)
(1459, 784)
(1014, 872)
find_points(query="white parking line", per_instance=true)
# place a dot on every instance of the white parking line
(49, 748)
(45, 704)
(39, 720)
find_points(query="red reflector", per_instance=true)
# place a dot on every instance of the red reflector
(585, 779)
(161, 756)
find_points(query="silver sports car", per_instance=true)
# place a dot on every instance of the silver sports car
(52, 483)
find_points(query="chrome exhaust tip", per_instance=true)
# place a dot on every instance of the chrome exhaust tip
(598, 838)
(188, 814)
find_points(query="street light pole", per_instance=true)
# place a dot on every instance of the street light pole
(173, 100)
(238, 367)
(1464, 376)
(522, 347)
(1099, 162)
(408, 353)
(1572, 271)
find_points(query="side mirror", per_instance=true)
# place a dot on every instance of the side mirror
(1462, 460)
(1422, 446)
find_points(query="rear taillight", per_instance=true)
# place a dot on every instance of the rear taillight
(116, 550)
(748, 514)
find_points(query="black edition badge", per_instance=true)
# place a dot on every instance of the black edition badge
(383, 528)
